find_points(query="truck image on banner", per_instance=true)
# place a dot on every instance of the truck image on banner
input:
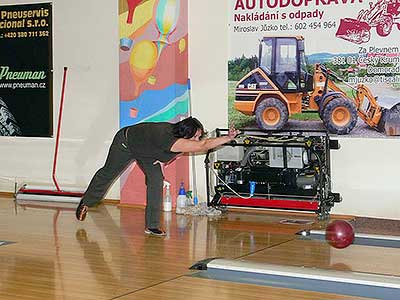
(303, 67)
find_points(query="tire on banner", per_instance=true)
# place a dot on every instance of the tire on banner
(384, 28)
(271, 114)
(8, 124)
(340, 116)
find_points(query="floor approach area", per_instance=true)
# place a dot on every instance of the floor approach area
(45, 253)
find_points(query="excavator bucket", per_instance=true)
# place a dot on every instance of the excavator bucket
(354, 30)
(392, 120)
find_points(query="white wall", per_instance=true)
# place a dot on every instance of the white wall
(208, 49)
(366, 173)
(86, 40)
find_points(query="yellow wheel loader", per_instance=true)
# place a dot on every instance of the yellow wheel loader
(281, 86)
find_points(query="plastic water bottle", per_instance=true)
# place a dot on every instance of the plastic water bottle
(167, 203)
(252, 188)
(195, 200)
(181, 200)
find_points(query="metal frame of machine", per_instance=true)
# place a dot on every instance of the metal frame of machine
(287, 170)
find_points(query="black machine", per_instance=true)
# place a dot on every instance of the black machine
(275, 170)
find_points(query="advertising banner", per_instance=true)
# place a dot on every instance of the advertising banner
(153, 76)
(316, 64)
(26, 70)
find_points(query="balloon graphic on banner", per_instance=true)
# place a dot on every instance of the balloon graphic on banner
(131, 9)
(166, 18)
(152, 80)
(125, 31)
(125, 43)
(142, 62)
(182, 45)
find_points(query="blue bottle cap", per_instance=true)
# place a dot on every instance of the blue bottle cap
(182, 190)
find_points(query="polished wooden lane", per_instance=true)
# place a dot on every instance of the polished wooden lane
(318, 253)
(108, 256)
(57, 257)
(205, 289)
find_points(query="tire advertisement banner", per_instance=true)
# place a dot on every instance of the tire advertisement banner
(26, 70)
(315, 64)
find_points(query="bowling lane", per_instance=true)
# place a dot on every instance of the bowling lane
(314, 265)
(184, 288)
(319, 254)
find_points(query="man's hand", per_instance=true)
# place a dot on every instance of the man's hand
(187, 145)
(233, 132)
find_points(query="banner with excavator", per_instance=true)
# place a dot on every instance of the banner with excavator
(315, 64)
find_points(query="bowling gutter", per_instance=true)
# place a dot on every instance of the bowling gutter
(364, 235)
(364, 279)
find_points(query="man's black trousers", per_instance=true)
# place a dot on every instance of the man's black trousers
(118, 158)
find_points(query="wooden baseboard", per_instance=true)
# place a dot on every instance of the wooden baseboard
(141, 206)
(287, 213)
(111, 201)
(116, 202)
(106, 201)
(6, 195)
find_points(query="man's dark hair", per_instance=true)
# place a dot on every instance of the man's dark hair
(187, 128)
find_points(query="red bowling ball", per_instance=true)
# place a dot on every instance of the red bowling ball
(339, 234)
